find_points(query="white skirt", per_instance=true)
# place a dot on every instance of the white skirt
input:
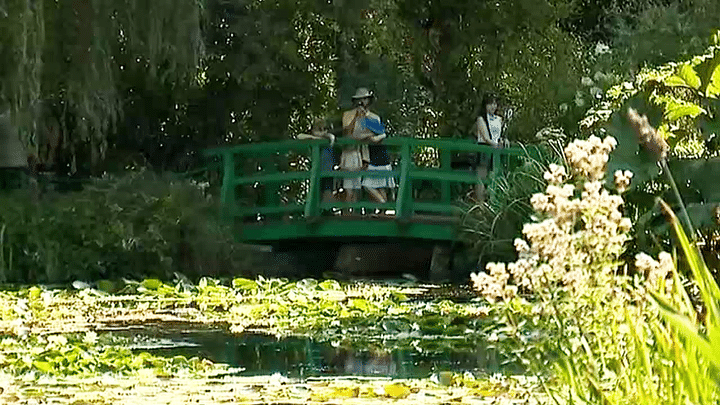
(379, 182)
(351, 161)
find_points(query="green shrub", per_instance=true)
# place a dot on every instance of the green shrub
(137, 225)
(489, 228)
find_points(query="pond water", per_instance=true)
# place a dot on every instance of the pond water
(302, 358)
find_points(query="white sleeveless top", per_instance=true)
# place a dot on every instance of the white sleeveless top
(494, 122)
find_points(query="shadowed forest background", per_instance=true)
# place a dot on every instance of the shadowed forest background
(94, 85)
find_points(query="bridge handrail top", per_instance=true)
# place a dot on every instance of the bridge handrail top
(455, 145)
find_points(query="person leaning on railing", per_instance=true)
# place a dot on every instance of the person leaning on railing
(487, 131)
(327, 156)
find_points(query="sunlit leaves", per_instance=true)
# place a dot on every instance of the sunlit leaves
(686, 76)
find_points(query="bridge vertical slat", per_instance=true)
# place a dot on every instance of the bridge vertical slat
(226, 192)
(312, 203)
(497, 172)
(271, 193)
(445, 164)
(404, 203)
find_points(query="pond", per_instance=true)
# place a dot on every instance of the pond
(258, 340)
(299, 357)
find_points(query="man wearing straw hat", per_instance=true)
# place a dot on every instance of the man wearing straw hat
(359, 123)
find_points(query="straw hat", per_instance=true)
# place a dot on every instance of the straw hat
(362, 92)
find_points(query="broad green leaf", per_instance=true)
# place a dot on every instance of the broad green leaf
(676, 108)
(397, 391)
(689, 76)
(330, 285)
(151, 283)
(709, 71)
(43, 366)
(244, 284)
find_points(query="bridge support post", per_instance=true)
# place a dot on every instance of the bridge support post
(312, 202)
(227, 191)
(440, 263)
(404, 204)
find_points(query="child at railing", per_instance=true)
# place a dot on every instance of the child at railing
(327, 157)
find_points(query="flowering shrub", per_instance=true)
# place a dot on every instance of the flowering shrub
(618, 340)
(576, 242)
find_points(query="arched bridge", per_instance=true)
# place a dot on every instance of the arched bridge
(272, 191)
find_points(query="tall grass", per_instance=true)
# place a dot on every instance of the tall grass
(672, 346)
(489, 228)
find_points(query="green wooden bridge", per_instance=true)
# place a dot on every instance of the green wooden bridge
(272, 191)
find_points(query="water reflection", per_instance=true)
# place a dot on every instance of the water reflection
(301, 358)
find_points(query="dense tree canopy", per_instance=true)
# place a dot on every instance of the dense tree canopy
(167, 77)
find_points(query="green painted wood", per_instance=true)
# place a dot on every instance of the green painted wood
(254, 211)
(404, 207)
(227, 189)
(340, 227)
(445, 175)
(436, 208)
(303, 219)
(367, 205)
(272, 178)
(446, 166)
(312, 208)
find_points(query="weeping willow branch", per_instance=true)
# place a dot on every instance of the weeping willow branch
(73, 51)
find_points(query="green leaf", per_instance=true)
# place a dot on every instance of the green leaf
(43, 366)
(330, 285)
(676, 108)
(689, 76)
(244, 284)
(687, 329)
(709, 70)
(151, 283)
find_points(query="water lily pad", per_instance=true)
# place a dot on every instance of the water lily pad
(397, 390)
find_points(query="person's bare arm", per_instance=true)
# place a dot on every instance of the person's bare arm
(306, 136)
(327, 135)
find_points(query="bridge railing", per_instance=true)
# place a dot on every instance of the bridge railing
(266, 170)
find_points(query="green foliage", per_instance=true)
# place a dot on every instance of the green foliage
(680, 98)
(88, 355)
(71, 56)
(490, 228)
(668, 361)
(131, 226)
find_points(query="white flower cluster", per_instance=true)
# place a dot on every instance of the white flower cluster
(655, 271)
(578, 243)
(494, 285)
(588, 158)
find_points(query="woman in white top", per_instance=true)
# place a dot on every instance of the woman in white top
(488, 131)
